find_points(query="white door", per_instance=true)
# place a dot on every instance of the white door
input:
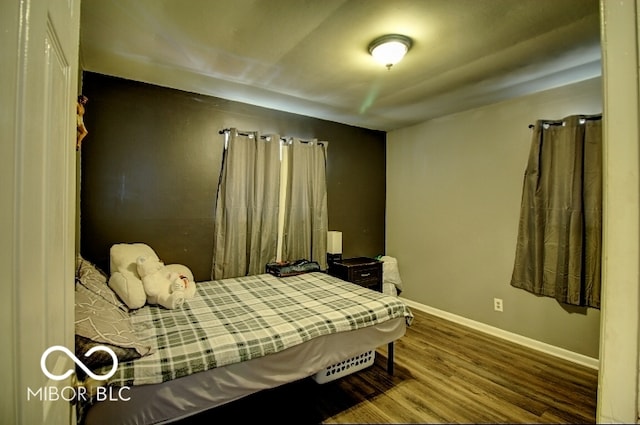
(39, 88)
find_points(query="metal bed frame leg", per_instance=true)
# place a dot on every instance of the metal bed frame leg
(390, 358)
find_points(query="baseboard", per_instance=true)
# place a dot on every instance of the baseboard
(509, 336)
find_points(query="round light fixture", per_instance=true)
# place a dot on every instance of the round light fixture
(389, 49)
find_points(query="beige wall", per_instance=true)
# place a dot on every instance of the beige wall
(454, 186)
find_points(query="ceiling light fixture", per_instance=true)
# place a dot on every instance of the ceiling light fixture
(389, 49)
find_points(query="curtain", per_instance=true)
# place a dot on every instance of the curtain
(305, 227)
(559, 246)
(246, 211)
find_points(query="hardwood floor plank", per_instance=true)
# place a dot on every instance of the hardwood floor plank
(444, 373)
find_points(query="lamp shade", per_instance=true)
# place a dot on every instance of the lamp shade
(389, 49)
(334, 242)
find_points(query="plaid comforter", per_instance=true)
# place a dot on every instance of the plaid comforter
(234, 320)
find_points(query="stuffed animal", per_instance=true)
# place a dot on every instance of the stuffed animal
(125, 280)
(162, 285)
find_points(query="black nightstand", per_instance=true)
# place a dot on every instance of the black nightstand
(363, 271)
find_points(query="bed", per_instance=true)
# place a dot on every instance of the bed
(239, 336)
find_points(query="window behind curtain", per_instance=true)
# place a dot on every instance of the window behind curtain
(559, 246)
(271, 204)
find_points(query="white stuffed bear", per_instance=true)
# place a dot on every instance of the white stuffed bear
(125, 280)
(162, 285)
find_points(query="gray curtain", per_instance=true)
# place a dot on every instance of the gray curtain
(558, 252)
(246, 212)
(305, 227)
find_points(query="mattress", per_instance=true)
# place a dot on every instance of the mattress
(242, 335)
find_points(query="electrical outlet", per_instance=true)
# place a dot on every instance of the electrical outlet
(497, 304)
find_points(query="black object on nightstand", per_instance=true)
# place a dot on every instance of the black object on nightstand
(363, 271)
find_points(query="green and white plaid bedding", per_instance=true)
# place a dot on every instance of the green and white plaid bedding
(234, 320)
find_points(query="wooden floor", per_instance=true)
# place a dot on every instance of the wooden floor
(444, 373)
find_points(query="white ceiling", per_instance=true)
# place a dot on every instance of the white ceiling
(310, 57)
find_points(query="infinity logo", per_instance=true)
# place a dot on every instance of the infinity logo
(77, 361)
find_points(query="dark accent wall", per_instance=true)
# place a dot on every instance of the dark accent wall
(151, 162)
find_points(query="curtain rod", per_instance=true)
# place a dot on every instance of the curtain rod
(284, 139)
(560, 122)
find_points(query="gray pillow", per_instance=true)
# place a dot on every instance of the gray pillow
(95, 280)
(103, 322)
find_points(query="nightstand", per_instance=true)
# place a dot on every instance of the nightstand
(363, 271)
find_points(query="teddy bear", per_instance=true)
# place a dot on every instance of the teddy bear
(124, 279)
(162, 285)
